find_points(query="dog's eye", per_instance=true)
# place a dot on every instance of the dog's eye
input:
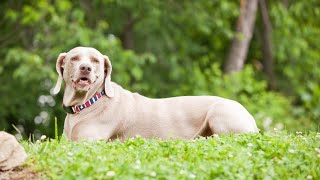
(94, 60)
(74, 59)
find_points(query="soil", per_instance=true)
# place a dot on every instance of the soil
(19, 173)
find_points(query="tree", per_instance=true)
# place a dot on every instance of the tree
(267, 56)
(241, 41)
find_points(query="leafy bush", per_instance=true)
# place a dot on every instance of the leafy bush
(297, 53)
(175, 52)
(28, 67)
(270, 109)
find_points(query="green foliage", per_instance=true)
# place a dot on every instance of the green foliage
(178, 48)
(296, 47)
(28, 72)
(270, 109)
(276, 155)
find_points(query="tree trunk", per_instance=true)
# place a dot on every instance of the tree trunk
(127, 33)
(267, 59)
(286, 3)
(244, 31)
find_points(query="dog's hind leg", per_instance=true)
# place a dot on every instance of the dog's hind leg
(229, 116)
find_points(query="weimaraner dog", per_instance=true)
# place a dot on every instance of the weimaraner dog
(100, 109)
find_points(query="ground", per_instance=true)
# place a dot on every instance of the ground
(274, 155)
(19, 173)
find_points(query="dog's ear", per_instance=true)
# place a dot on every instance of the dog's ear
(107, 82)
(59, 68)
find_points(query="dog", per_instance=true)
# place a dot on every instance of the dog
(99, 109)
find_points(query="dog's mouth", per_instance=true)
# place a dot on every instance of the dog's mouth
(82, 83)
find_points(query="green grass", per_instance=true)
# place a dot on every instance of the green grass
(275, 155)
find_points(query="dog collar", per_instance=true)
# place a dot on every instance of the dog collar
(77, 109)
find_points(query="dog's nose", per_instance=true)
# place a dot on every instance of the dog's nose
(85, 68)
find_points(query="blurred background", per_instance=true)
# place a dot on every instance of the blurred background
(264, 54)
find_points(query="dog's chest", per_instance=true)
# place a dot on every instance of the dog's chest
(91, 124)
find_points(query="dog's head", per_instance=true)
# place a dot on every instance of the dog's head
(84, 70)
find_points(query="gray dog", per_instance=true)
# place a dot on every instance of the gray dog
(100, 109)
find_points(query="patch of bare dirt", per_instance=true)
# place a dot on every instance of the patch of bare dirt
(19, 173)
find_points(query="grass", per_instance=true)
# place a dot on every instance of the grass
(275, 155)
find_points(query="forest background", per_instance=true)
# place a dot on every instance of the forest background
(264, 54)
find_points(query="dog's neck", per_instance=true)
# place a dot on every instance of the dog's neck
(72, 97)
